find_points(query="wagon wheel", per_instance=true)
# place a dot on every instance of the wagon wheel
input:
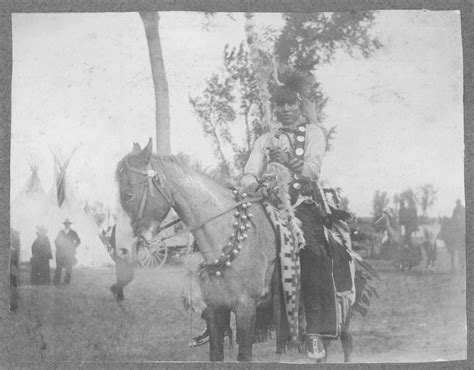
(153, 256)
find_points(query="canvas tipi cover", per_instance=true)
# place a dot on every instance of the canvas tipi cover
(31, 208)
(92, 251)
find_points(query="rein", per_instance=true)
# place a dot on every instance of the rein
(153, 181)
(153, 177)
(246, 201)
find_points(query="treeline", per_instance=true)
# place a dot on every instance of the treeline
(422, 197)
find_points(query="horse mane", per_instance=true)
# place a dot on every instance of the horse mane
(193, 167)
(187, 165)
(392, 221)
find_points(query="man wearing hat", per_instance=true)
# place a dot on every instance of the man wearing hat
(66, 243)
(300, 147)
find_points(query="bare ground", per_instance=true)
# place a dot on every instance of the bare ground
(420, 316)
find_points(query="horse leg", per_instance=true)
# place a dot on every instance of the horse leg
(451, 252)
(217, 324)
(227, 329)
(245, 315)
(426, 248)
(124, 272)
(346, 339)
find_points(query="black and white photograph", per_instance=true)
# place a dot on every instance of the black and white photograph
(237, 186)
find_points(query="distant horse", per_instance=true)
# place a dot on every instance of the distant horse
(150, 185)
(406, 256)
(453, 234)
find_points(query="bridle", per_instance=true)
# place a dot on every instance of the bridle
(154, 180)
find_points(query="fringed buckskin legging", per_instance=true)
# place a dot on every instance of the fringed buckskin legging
(317, 282)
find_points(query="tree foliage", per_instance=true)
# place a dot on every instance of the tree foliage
(214, 111)
(427, 196)
(380, 202)
(409, 196)
(311, 39)
(305, 41)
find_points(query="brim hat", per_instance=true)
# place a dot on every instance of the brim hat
(67, 221)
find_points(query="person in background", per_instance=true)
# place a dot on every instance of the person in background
(459, 213)
(41, 254)
(408, 218)
(14, 269)
(66, 243)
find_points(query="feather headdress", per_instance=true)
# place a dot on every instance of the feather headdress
(292, 84)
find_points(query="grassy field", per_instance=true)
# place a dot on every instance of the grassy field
(420, 316)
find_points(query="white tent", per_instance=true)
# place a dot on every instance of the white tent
(92, 251)
(107, 223)
(30, 208)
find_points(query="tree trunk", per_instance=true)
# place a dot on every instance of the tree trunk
(247, 129)
(160, 84)
(224, 162)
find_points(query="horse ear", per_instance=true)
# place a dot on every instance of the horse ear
(147, 151)
(136, 149)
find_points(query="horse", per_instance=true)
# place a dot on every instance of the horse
(453, 235)
(405, 256)
(150, 185)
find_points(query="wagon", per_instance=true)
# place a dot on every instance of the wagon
(156, 254)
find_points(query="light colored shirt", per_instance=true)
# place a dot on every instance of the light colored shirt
(315, 148)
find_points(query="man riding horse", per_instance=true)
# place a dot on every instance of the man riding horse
(300, 146)
(238, 238)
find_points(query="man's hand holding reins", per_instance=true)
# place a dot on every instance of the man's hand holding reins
(256, 190)
(276, 154)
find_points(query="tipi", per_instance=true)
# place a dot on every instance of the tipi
(91, 252)
(30, 208)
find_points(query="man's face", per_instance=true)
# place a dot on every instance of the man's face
(287, 113)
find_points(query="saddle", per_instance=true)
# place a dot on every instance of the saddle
(287, 282)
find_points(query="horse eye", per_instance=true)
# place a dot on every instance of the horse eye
(128, 196)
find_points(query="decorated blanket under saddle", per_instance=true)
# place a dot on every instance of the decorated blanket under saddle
(290, 241)
(288, 247)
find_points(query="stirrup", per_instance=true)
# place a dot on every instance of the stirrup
(201, 339)
(204, 337)
(315, 347)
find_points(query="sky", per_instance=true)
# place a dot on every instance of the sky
(83, 81)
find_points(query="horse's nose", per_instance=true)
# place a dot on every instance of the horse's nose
(147, 235)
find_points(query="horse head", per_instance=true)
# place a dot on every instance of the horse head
(144, 198)
(385, 217)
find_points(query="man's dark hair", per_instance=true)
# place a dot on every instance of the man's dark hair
(291, 86)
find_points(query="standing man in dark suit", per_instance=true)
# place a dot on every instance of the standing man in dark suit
(66, 243)
(408, 218)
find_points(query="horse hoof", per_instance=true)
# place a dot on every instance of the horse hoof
(113, 290)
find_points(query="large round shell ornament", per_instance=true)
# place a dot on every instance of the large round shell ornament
(299, 151)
